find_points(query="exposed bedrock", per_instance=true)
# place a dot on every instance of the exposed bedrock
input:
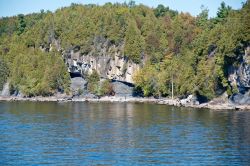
(106, 58)
(240, 77)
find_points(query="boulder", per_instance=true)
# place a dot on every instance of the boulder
(190, 100)
(122, 89)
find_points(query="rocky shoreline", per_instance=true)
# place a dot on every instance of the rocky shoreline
(163, 101)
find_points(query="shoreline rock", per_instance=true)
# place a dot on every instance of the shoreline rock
(112, 99)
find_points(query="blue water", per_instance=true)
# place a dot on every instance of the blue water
(121, 134)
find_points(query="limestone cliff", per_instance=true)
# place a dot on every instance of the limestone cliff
(105, 57)
(109, 61)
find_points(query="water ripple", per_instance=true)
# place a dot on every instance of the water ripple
(121, 134)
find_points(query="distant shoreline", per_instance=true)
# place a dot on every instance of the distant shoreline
(162, 101)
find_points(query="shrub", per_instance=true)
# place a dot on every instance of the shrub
(106, 88)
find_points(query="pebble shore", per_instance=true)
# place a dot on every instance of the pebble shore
(164, 101)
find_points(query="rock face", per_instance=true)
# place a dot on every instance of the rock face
(122, 90)
(241, 98)
(78, 85)
(6, 90)
(106, 58)
(240, 77)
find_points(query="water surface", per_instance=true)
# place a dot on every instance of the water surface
(53, 133)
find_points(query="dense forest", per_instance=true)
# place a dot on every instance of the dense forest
(193, 52)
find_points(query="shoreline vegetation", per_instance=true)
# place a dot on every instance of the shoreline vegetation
(115, 99)
(128, 49)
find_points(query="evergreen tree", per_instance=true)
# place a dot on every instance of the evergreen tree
(192, 52)
(202, 18)
(21, 24)
(223, 12)
(134, 43)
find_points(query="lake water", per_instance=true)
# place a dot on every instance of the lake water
(121, 134)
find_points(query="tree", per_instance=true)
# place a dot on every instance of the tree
(34, 73)
(93, 82)
(106, 88)
(134, 43)
(161, 11)
(21, 24)
(223, 12)
(131, 4)
(3, 73)
(202, 18)
(194, 53)
(146, 81)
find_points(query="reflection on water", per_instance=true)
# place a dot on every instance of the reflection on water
(121, 134)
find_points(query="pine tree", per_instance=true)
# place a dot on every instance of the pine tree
(134, 43)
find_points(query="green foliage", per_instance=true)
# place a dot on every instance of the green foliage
(156, 79)
(224, 46)
(106, 88)
(93, 82)
(223, 12)
(3, 73)
(182, 30)
(134, 43)
(79, 92)
(192, 52)
(199, 54)
(8, 26)
(202, 18)
(148, 82)
(36, 73)
(131, 4)
(161, 11)
(21, 24)
(97, 87)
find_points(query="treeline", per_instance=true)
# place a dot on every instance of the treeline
(192, 52)
(199, 53)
